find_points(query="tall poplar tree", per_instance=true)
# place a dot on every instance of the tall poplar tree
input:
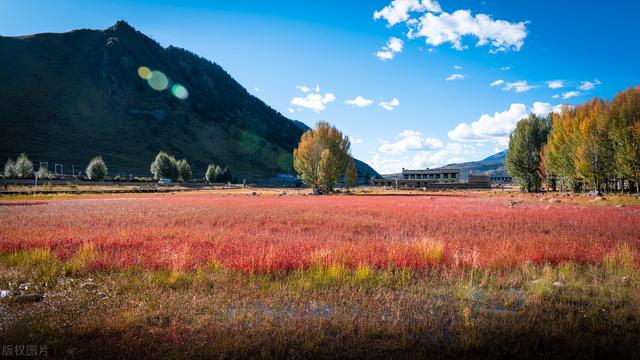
(525, 145)
(594, 155)
(625, 122)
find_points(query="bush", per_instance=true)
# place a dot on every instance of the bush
(165, 167)
(97, 169)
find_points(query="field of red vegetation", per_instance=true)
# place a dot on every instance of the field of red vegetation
(269, 233)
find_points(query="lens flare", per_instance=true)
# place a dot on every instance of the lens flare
(158, 80)
(144, 72)
(179, 91)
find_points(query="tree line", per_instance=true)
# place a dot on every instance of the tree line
(592, 146)
(164, 166)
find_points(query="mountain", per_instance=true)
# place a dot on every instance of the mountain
(489, 165)
(71, 96)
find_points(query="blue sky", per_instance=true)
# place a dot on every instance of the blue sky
(346, 62)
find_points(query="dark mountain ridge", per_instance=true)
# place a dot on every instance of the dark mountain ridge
(68, 97)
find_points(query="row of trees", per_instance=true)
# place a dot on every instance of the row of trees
(217, 174)
(323, 155)
(166, 166)
(21, 168)
(163, 166)
(593, 146)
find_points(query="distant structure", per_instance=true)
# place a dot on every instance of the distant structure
(483, 180)
(500, 178)
(440, 178)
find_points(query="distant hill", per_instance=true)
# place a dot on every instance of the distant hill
(491, 164)
(68, 97)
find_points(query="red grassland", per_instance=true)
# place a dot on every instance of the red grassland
(272, 234)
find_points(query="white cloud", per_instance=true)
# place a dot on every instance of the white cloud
(291, 111)
(556, 96)
(588, 85)
(359, 101)
(498, 126)
(518, 86)
(490, 127)
(420, 159)
(497, 83)
(438, 29)
(388, 52)
(256, 89)
(457, 67)
(313, 100)
(505, 68)
(398, 11)
(434, 143)
(355, 140)
(410, 140)
(389, 105)
(385, 55)
(455, 77)
(395, 44)
(541, 108)
(570, 94)
(555, 84)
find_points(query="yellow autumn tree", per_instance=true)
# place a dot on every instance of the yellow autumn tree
(625, 119)
(594, 155)
(321, 157)
(351, 174)
(561, 146)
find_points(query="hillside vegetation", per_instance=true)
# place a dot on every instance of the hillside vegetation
(72, 96)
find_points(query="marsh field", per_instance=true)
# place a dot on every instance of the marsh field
(275, 274)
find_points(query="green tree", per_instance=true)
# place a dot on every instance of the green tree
(10, 169)
(351, 174)
(625, 122)
(225, 175)
(321, 157)
(213, 173)
(525, 145)
(184, 169)
(97, 169)
(164, 166)
(24, 166)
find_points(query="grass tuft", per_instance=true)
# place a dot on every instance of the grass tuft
(40, 265)
(431, 250)
(620, 261)
(83, 259)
